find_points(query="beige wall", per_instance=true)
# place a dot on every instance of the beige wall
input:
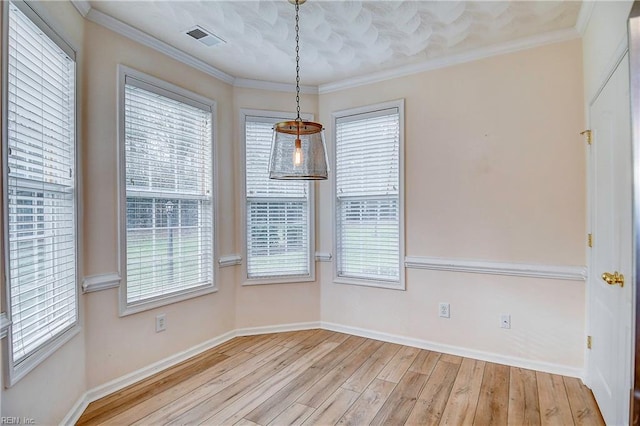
(494, 170)
(119, 345)
(263, 305)
(48, 392)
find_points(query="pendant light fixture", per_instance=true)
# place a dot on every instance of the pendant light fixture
(298, 150)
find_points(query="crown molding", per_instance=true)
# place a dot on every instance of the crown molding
(273, 86)
(474, 55)
(82, 6)
(119, 27)
(584, 16)
(113, 24)
(134, 34)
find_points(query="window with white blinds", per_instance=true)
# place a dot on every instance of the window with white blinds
(277, 212)
(168, 189)
(368, 196)
(40, 190)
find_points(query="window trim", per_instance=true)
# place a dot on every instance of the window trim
(186, 96)
(276, 115)
(12, 372)
(363, 110)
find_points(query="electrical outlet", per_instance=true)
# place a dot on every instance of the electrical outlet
(161, 323)
(443, 310)
(505, 321)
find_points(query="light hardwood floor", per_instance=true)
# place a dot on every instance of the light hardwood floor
(319, 377)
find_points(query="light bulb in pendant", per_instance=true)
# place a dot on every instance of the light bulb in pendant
(297, 153)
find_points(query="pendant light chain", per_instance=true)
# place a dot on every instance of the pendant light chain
(298, 150)
(298, 59)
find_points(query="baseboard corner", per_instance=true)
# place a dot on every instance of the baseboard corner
(509, 360)
(76, 411)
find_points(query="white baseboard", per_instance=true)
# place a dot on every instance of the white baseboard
(456, 350)
(251, 331)
(128, 379)
(76, 411)
(135, 376)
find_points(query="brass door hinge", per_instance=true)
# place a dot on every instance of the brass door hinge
(588, 342)
(587, 133)
(590, 240)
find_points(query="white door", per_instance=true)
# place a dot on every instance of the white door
(610, 309)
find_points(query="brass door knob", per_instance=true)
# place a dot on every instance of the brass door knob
(613, 279)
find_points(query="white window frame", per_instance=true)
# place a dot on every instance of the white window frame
(183, 95)
(368, 109)
(12, 372)
(277, 116)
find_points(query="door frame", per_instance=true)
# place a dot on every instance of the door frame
(625, 46)
(634, 94)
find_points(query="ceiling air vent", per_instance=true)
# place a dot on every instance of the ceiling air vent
(204, 36)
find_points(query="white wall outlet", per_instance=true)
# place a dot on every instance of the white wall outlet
(161, 323)
(505, 321)
(443, 310)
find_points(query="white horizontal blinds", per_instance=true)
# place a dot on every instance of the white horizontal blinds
(367, 190)
(277, 211)
(40, 186)
(258, 134)
(169, 209)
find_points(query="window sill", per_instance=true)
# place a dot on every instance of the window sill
(278, 280)
(370, 283)
(16, 372)
(130, 309)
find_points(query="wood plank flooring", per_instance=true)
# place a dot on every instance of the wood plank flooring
(319, 377)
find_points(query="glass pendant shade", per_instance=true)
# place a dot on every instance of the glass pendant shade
(298, 151)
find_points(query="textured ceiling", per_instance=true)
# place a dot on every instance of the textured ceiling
(338, 39)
